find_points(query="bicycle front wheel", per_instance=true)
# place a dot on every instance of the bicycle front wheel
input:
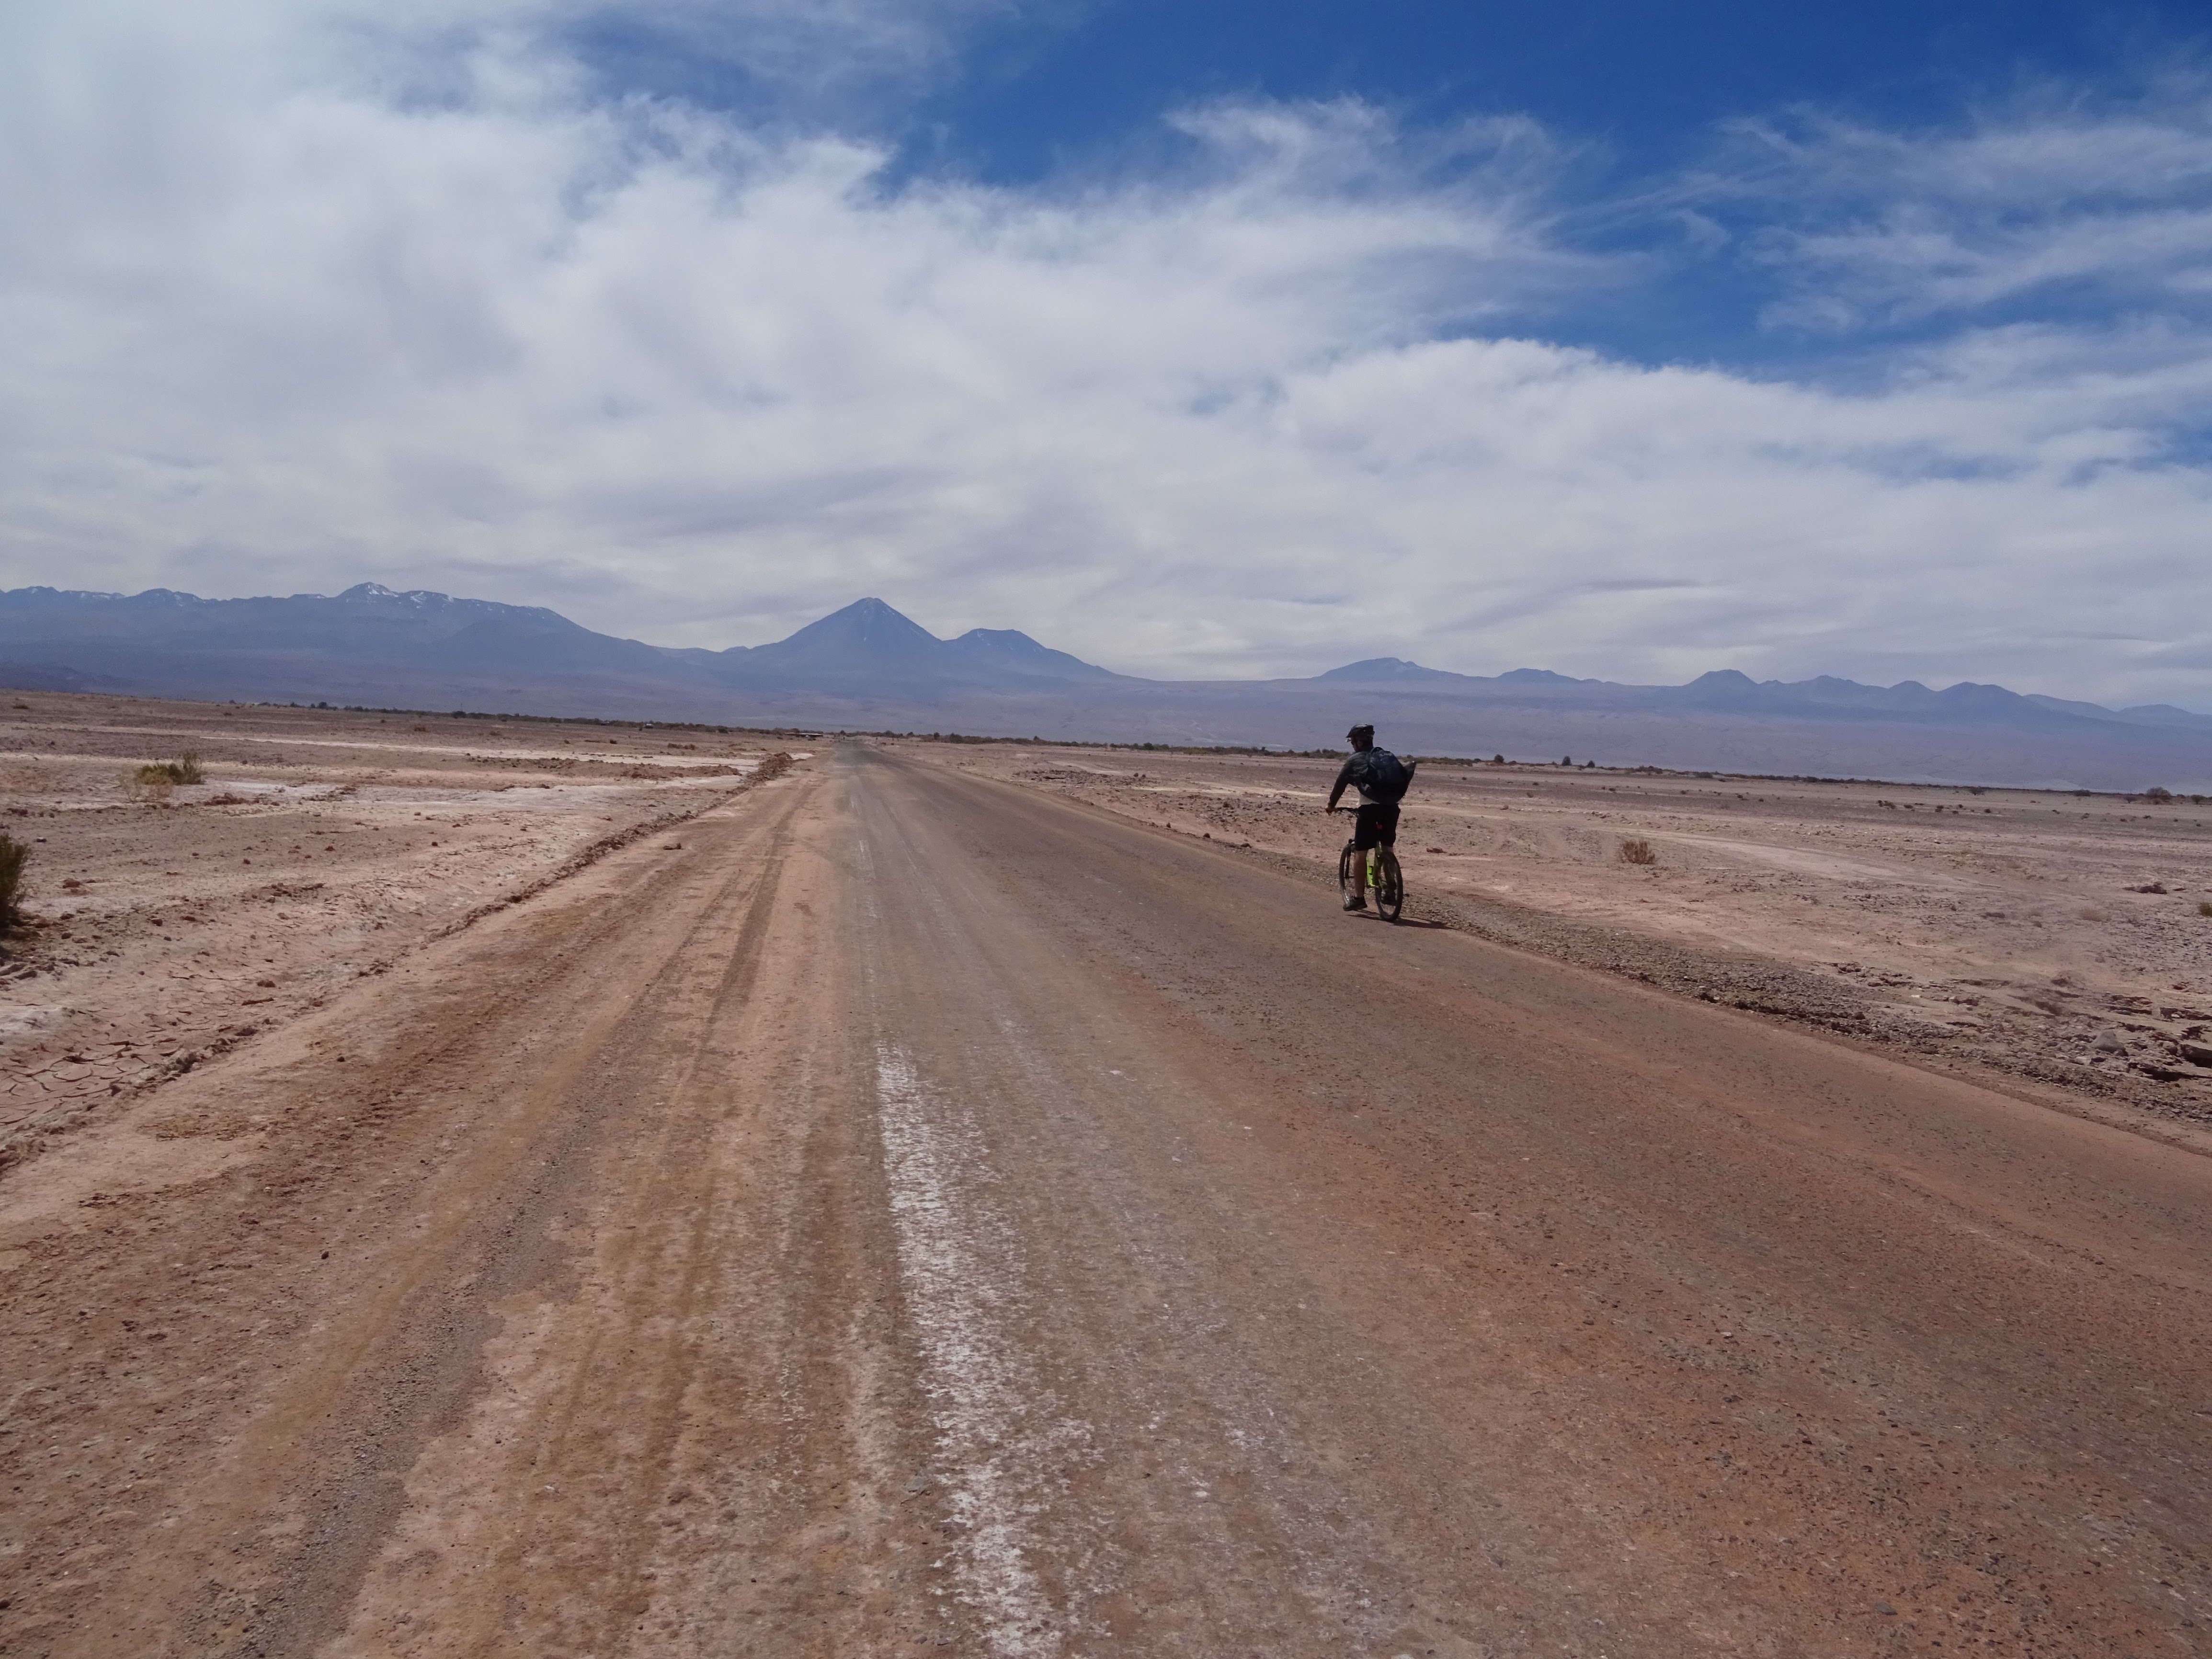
(1390, 885)
(1344, 868)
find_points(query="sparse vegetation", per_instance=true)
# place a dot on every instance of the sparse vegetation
(2205, 907)
(14, 855)
(186, 769)
(1638, 852)
(2158, 792)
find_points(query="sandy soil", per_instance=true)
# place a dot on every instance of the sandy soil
(171, 925)
(909, 1209)
(2005, 932)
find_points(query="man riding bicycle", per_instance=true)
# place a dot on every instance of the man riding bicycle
(1382, 779)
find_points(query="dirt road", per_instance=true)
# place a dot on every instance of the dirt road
(2064, 951)
(915, 1212)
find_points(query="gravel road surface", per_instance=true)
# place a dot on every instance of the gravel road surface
(902, 1211)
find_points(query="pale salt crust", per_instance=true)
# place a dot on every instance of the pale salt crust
(962, 1274)
(581, 749)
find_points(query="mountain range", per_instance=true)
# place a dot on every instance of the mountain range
(868, 667)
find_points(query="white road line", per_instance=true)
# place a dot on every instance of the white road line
(1000, 1440)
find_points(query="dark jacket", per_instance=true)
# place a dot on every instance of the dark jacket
(1358, 773)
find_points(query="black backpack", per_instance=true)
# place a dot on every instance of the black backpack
(1387, 776)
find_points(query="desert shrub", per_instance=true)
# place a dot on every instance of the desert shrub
(2157, 793)
(1638, 852)
(2205, 907)
(14, 855)
(186, 769)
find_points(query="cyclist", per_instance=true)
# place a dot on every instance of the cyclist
(1382, 779)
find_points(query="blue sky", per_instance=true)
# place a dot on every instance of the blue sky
(1645, 83)
(1632, 340)
(1654, 109)
(1659, 111)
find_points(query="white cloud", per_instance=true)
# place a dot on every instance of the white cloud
(2045, 200)
(438, 313)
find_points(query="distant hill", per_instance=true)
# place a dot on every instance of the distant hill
(1814, 699)
(1387, 670)
(869, 646)
(371, 646)
(867, 667)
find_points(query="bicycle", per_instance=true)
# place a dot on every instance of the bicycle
(1386, 883)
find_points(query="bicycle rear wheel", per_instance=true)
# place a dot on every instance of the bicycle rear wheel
(1390, 885)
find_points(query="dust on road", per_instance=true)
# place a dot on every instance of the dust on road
(916, 1212)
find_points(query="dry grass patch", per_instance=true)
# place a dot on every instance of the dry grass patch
(14, 855)
(186, 769)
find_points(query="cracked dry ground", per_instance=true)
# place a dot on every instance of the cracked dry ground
(917, 1212)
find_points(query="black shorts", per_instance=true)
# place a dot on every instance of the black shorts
(1375, 824)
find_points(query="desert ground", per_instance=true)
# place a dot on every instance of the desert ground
(169, 925)
(593, 1189)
